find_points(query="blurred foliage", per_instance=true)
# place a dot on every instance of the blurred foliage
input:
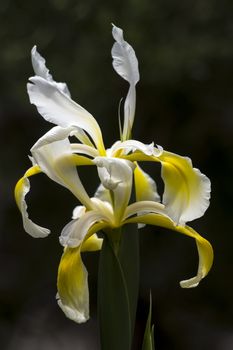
(184, 103)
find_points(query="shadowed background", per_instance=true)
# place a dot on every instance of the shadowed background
(184, 103)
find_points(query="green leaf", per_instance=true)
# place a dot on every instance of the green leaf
(148, 340)
(113, 302)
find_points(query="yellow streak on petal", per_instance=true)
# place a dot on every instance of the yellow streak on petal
(205, 249)
(20, 186)
(81, 160)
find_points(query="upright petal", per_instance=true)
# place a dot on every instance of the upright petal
(125, 64)
(187, 190)
(116, 176)
(40, 69)
(21, 189)
(56, 107)
(205, 249)
(56, 161)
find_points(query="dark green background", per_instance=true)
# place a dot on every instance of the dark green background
(184, 103)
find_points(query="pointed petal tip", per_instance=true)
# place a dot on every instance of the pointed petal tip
(72, 314)
(190, 283)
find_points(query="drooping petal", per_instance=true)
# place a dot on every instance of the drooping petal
(56, 107)
(205, 249)
(72, 285)
(74, 233)
(116, 176)
(21, 189)
(125, 64)
(40, 69)
(186, 189)
(56, 161)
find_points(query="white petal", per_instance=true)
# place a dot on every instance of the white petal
(78, 211)
(55, 160)
(84, 149)
(40, 69)
(56, 107)
(142, 207)
(55, 134)
(131, 146)
(75, 231)
(116, 176)
(21, 190)
(124, 59)
(125, 64)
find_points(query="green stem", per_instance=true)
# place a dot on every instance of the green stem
(118, 288)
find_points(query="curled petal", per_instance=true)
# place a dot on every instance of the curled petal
(125, 64)
(142, 207)
(78, 211)
(187, 190)
(56, 161)
(205, 249)
(75, 232)
(21, 189)
(40, 69)
(56, 107)
(131, 146)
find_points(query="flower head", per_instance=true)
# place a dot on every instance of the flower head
(186, 190)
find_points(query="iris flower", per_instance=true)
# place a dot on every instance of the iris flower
(186, 190)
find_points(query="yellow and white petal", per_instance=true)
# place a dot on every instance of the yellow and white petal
(125, 64)
(21, 189)
(72, 285)
(40, 69)
(56, 161)
(84, 149)
(74, 233)
(116, 176)
(186, 190)
(205, 249)
(56, 107)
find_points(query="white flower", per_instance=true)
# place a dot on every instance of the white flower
(186, 190)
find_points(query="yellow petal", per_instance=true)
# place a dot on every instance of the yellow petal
(205, 249)
(145, 187)
(72, 285)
